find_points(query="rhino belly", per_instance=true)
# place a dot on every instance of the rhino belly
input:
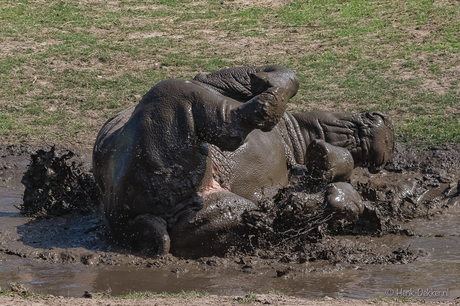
(257, 169)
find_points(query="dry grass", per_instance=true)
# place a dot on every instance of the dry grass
(66, 67)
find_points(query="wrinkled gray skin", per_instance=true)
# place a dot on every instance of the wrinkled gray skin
(177, 171)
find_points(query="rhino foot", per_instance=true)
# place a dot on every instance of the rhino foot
(328, 163)
(150, 234)
(344, 202)
(211, 231)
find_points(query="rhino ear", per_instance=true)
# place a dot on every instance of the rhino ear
(383, 139)
(386, 119)
(200, 76)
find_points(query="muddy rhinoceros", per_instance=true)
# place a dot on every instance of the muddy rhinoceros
(182, 166)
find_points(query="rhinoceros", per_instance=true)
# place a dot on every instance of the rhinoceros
(182, 166)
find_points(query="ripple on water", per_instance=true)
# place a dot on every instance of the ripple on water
(439, 269)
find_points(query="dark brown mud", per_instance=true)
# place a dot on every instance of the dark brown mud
(418, 183)
(57, 185)
(419, 186)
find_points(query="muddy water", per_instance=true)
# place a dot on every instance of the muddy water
(31, 254)
(438, 268)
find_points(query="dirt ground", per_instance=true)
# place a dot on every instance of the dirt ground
(263, 299)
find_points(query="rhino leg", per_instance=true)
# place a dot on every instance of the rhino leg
(328, 163)
(343, 201)
(211, 230)
(369, 137)
(149, 234)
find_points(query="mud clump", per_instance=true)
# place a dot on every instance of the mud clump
(299, 228)
(296, 226)
(284, 226)
(293, 227)
(55, 185)
(18, 289)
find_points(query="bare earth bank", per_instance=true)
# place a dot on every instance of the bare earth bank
(262, 299)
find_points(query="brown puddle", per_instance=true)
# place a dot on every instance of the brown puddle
(63, 256)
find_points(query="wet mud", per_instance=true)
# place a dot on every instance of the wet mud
(57, 185)
(410, 218)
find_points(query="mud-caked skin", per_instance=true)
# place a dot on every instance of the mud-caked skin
(177, 171)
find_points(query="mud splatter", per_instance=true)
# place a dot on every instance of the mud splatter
(419, 183)
(55, 186)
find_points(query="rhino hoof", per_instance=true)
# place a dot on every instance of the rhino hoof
(151, 235)
(344, 201)
(328, 163)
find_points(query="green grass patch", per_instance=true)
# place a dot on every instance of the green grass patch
(8, 63)
(249, 298)
(67, 66)
(274, 291)
(434, 130)
(9, 125)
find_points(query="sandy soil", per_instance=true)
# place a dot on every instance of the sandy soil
(268, 299)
